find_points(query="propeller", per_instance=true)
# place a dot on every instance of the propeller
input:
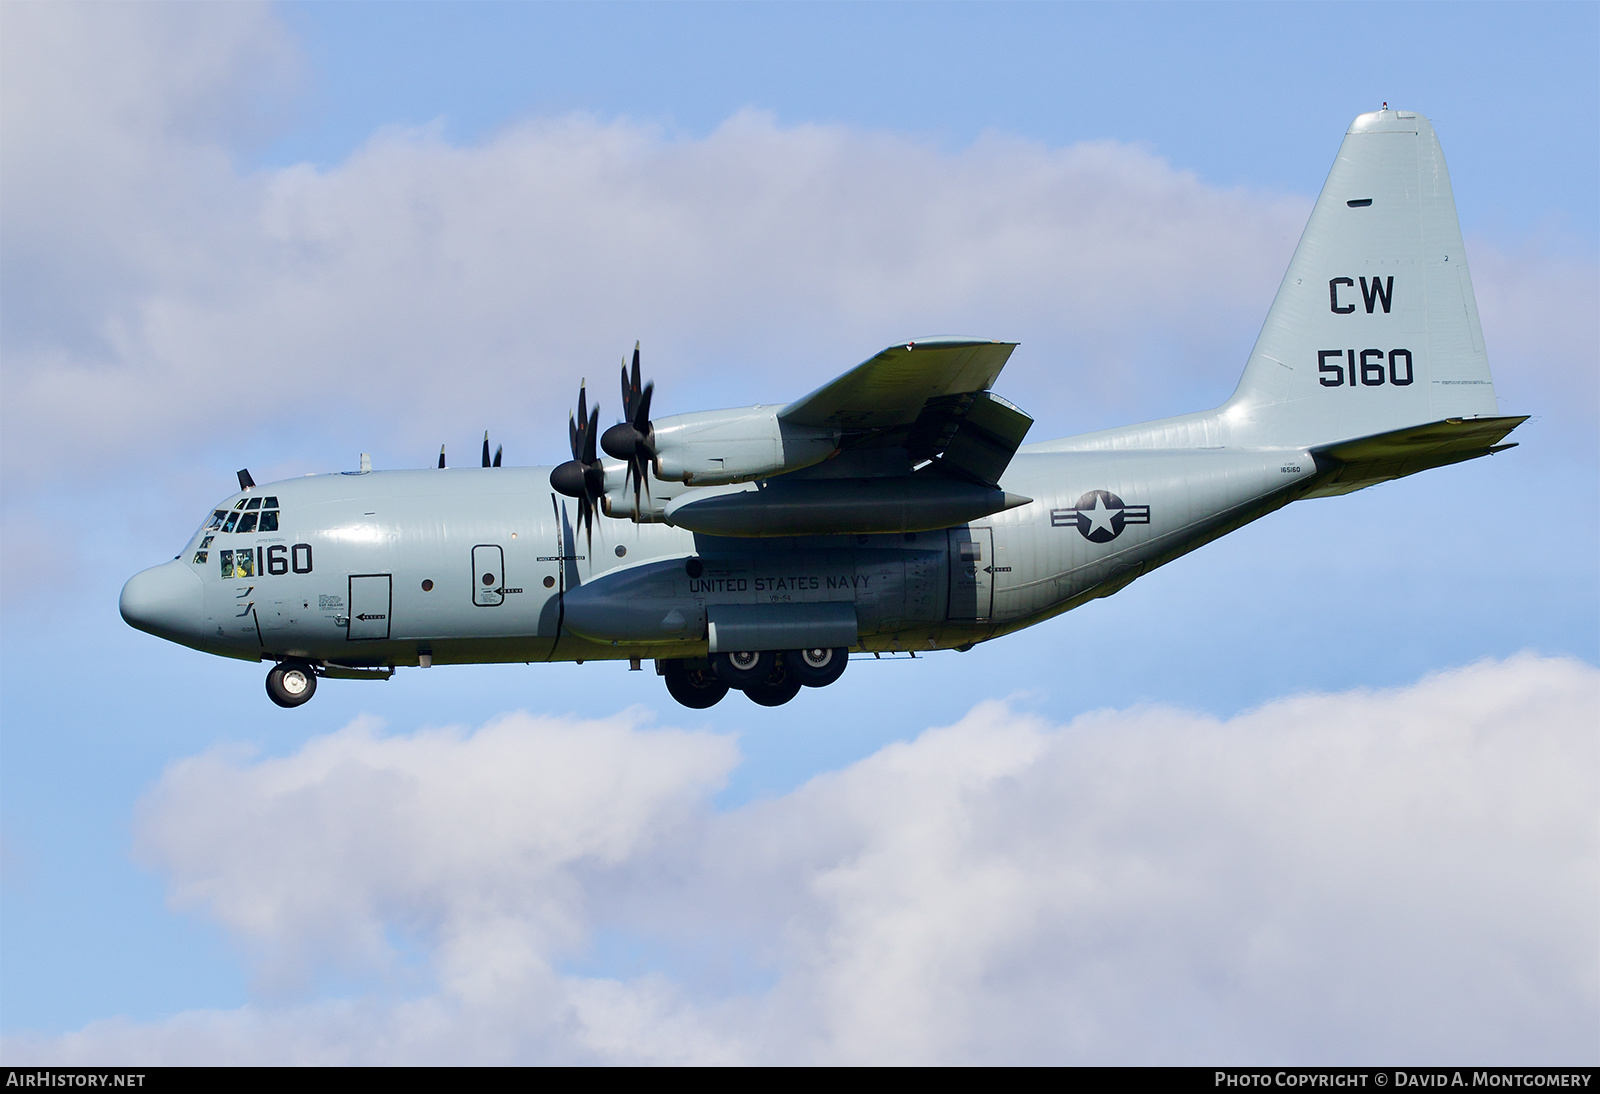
(441, 455)
(633, 438)
(582, 477)
(497, 451)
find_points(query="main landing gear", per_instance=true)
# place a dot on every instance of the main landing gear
(768, 677)
(291, 683)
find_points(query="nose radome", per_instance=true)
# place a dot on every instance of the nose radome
(164, 600)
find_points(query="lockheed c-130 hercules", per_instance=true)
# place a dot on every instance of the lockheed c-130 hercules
(894, 509)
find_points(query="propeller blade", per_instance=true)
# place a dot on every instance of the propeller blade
(591, 434)
(497, 451)
(630, 387)
(641, 419)
(441, 455)
(583, 477)
(486, 448)
(633, 439)
(586, 518)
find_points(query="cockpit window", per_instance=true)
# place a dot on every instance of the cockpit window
(259, 514)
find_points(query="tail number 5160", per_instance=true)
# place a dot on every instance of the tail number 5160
(1373, 366)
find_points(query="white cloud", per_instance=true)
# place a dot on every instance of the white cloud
(421, 284)
(1410, 874)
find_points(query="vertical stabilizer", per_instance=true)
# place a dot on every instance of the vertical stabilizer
(1375, 327)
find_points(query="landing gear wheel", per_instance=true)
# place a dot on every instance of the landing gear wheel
(696, 688)
(291, 684)
(742, 668)
(778, 688)
(817, 668)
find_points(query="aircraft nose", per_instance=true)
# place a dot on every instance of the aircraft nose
(164, 600)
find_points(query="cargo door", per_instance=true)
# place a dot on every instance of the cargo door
(971, 574)
(370, 597)
(488, 576)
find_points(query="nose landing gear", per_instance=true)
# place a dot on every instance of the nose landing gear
(291, 684)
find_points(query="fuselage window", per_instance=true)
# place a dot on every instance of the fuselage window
(200, 556)
(270, 503)
(239, 504)
(269, 519)
(233, 518)
(217, 518)
(247, 523)
(237, 564)
(253, 503)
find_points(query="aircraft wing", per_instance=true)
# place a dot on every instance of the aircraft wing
(892, 388)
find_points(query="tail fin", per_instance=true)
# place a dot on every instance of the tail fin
(1375, 327)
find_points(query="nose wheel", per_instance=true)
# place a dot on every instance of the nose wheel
(291, 684)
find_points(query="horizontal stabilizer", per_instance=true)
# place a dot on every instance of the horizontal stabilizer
(1350, 465)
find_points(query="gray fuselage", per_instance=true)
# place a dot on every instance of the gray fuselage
(393, 568)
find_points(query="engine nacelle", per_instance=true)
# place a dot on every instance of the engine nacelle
(649, 506)
(715, 447)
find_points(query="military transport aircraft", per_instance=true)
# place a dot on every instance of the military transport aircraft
(894, 509)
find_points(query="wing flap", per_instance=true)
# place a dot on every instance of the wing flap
(986, 438)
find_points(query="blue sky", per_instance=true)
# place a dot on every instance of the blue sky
(339, 205)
